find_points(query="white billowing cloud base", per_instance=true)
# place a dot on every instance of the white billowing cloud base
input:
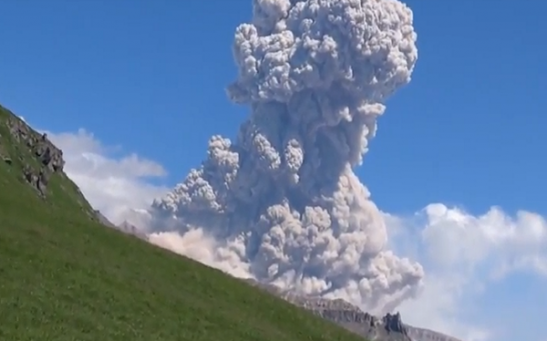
(113, 185)
(463, 255)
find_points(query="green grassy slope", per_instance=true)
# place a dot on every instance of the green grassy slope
(65, 277)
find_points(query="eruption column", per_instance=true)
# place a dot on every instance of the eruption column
(283, 197)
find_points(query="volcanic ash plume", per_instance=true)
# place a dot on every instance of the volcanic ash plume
(283, 198)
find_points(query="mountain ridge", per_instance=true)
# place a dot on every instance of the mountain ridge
(353, 318)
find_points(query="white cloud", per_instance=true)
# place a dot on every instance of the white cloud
(113, 185)
(464, 256)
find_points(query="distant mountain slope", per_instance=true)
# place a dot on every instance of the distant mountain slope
(65, 276)
(389, 327)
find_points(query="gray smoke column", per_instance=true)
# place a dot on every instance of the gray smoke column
(283, 197)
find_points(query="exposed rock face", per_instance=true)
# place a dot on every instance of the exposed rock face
(49, 156)
(388, 328)
(37, 179)
(421, 334)
(46, 158)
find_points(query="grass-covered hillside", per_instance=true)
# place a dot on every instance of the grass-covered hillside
(64, 276)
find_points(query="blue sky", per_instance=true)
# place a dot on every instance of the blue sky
(149, 76)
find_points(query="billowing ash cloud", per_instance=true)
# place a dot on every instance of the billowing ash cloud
(282, 199)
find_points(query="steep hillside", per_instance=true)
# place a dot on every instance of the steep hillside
(65, 276)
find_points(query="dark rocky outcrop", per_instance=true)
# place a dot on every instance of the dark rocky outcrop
(37, 179)
(387, 328)
(41, 158)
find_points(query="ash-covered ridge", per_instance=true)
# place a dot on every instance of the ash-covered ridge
(282, 198)
(389, 327)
